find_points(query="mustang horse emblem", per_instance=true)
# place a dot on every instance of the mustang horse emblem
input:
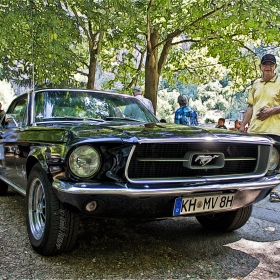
(203, 160)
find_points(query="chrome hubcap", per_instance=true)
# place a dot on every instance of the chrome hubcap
(37, 209)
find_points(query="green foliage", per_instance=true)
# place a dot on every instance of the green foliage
(215, 95)
(209, 120)
(52, 40)
(167, 105)
(6, 94)
(195, 41)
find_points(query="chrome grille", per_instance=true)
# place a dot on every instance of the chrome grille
(165, 161)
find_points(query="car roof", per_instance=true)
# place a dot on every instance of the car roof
(85, 90)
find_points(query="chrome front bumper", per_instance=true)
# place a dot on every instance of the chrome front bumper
(122, 200)
(146, 190)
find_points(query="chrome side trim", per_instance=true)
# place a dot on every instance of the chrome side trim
(91, 189)
(21, 191)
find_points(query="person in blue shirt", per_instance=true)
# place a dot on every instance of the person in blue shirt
(185, 114)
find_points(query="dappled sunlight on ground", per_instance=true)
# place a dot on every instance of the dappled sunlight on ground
(268, 255)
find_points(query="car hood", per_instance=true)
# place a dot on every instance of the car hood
(141, 132)
(126, 133)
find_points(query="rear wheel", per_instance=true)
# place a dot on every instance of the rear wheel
(226, 221)
(3, 188)
(52, 228)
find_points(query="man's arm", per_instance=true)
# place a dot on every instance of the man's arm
(267, 112)
(247, 118)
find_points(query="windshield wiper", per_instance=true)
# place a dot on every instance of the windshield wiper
(72, 118)
(121, 119)
(93, 119)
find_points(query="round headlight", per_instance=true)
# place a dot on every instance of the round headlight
(274, 159)
(84, 161)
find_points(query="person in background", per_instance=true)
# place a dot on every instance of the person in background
(2, 123)
(185, 114)
(221, 123)
(2, 116)
(137, 92)
(263, 112)
(237, 125)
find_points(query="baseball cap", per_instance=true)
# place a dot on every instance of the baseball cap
(137, 88)
(268, 58)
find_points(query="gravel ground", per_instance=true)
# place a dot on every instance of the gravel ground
(172, 249)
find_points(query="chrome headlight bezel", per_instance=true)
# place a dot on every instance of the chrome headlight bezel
(273, 159)
(84, 161)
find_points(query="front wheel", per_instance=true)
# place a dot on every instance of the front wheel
(52, 228)
(226, 221)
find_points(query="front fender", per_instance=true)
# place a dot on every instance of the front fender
(50, 158)
(32, 160)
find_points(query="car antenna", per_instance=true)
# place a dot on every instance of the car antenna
(32, 46)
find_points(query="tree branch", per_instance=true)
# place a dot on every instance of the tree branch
(180, 31)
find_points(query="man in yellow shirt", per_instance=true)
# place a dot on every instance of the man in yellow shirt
(263, 112)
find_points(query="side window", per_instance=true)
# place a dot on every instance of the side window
(17, 117)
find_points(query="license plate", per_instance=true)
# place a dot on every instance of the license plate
(200, 204)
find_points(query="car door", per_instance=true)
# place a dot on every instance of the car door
(15, 151)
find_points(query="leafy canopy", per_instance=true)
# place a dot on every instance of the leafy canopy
(139, 41)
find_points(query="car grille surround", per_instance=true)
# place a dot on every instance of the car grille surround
(169, 162)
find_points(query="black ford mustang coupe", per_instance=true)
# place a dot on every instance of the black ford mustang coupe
(100, 154)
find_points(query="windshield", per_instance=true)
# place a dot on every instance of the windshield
(88, 105)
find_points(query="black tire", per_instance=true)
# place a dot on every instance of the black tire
(226, 221)
(52, 229)
(3, 188)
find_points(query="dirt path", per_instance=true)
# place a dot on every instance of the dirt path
(173, 249)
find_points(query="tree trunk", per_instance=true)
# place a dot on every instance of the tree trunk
(94, 49)
(92, 69)
(151, 69)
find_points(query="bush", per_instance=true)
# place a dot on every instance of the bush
(208, 120)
